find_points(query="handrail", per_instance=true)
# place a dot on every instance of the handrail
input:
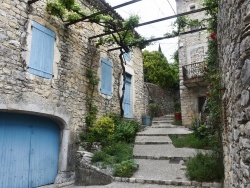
(194, 70)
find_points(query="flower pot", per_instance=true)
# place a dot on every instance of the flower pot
(177, 115)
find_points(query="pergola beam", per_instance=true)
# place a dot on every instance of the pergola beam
(153, 21)
(103, 11)
(32, 1)
(166, 37)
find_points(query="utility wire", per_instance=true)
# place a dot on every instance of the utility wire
(171, 6)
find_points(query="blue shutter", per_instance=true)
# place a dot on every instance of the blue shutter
(106, 81)
(126, 99)
(42, 51)
(127, 57)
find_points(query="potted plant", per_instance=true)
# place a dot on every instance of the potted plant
(177, 108)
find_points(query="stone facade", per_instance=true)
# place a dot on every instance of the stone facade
(62, 98)
(234, 57)
(192, 49)
(154, 94)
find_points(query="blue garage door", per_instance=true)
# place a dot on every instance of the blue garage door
(127, 94)
(29, 150)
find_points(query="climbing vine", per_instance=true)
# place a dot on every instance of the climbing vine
(121, 33)
(90, 104)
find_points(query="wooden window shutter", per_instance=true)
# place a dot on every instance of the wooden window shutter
(42, 51)
(106, 81)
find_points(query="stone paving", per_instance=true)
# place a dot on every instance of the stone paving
(160, 163)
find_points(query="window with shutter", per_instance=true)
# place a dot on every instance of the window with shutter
(42, 51)
(127, 57)
(106, 79)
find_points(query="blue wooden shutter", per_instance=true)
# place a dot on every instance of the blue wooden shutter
(42, 51)
(106, 82)
(126, 99)
(127, 57)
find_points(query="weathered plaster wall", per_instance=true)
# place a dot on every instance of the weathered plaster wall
(63, 98)
(234, 51)
(192, 49)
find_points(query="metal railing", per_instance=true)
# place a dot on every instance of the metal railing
(193, 71)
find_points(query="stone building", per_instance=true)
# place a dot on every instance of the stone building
(43, 91)
(192, 51)
(234, 56)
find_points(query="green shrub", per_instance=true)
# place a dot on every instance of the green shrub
(205, 168)
(113, 154)
(125, 168)
(120, 152)
(125, 131)
(102, 131)
(200, 129)
(115, 117)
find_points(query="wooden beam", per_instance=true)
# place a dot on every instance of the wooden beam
(153, 21)
(103, 11)
(32, 1)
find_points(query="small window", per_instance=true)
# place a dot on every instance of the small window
(106, 78)
(127, 57)
(192, 7)
(42, 51)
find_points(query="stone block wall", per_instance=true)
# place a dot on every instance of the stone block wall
(62, 98)
(234, 57)
(192, 49)
(164, 98)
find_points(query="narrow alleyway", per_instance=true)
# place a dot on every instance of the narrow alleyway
(160, 163)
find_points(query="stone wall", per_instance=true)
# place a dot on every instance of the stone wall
(234, 57)
(163, 98)
(62, 98)
(192, 49)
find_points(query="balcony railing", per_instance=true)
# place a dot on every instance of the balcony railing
(193, 74)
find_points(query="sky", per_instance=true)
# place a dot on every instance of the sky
(149, 10)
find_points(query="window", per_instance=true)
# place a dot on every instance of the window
(42, 51)
(192, 7)
(127, 57)
(106, 80)
(201, 102)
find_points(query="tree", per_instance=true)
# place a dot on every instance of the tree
(157, 70)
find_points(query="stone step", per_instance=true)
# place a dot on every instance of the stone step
(141, 183)
(163, 125)
(153, 140)
(163, 131)
(162, 152)
(156, 183)
(172, 169)
(162, 121)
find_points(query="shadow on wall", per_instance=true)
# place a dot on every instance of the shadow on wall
(158, 101)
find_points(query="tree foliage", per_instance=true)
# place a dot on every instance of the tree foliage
(157, 70)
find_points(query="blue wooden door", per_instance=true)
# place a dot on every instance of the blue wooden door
(127, 97)
(29, 151)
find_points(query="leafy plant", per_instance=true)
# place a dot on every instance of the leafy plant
(125, 131)
(126, 168)
(102, 131)
(157, 70)
(119, 156)
(154, 110)
(205, 168)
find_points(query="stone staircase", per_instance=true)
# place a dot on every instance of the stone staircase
(161, 165)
